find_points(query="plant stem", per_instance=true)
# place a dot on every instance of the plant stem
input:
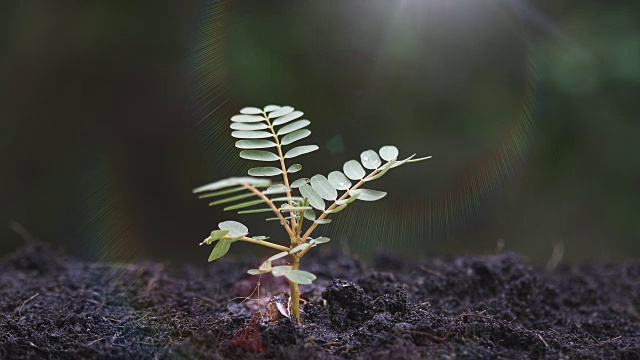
(263, 243)
(272, 206)
(282, 164)
(295, 290)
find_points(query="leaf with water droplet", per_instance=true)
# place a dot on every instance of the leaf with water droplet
(370, 159)
(339, 181)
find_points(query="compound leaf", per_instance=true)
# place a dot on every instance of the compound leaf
(339, 181)
(353, 170)
(300, 150)
(388, 152)
(246, 118)
(251, 134)
(284, 110)
(254, 144)
(294, 168)
(265, 171)
(235, 228)
(286, 118)
(220, 250)
(368, 195)
(259, 155)
(300, 276)
(249, 126)
(295, 136)
(250, 111)
(323, 187)
(293, 126)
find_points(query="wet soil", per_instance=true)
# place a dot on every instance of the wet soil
(57, 307)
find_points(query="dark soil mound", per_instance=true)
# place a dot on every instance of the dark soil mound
(55, 307)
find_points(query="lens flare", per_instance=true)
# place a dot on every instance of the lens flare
(408, 225)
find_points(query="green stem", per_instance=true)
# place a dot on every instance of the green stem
(295, 291)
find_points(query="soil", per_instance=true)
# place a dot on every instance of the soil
(57, 307)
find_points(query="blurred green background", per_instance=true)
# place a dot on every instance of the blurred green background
(111, 112)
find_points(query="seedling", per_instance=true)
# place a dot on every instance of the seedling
(292, 202)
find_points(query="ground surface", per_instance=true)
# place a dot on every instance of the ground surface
(57, 307)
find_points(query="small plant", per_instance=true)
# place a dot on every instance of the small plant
(274, 128)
